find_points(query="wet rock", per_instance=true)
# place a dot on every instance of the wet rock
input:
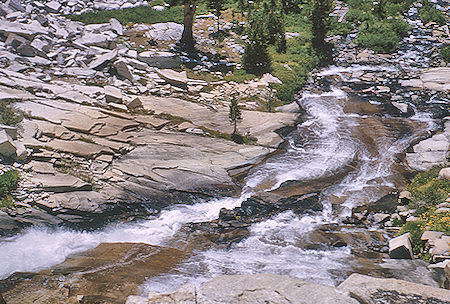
(400, 247)
(375, 290)
(105, 274)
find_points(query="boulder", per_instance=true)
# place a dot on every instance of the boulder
(116, 26)
(163, 60)
(11, 131)
(257, 288)
(134, 103)
(400, 247)
(113, 94)
(371, 290)
(53, 6)
(123, 70)
(168, 31)
(101, 60)
(444, 173)
(431, 235)
(7, 147)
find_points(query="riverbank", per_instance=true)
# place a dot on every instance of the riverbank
(347, 151)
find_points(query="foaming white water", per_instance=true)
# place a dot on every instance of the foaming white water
(273, 247)
(320, 145)
(40, 248)
(334, 70)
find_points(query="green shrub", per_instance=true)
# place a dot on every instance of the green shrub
(428, 13)
(256, 59)
(8, 183)
(140, 14)
(427, 187)
(382, 36)
(445, 53)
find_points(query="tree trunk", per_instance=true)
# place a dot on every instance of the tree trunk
(187, 39)
(218, 24)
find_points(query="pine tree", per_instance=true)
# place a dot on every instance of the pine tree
(321, 24)
(217, 7)
(234, 114)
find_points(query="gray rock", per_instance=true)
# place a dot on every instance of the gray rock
(444, 173)
(60, 183)
(163, 60)
(431, 235)
(16, 5)
(26, 50)
(113, 94)
(123, 70)
(374, 291)
(7, 147)
(116, 26)
(168, 31)
(400, 247)
(103, 59)
(90, 39)
(11, 131)
(134, 103)
(53, 6)
(254, 289)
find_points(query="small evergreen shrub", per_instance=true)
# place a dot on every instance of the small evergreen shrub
(8, 183)
(445, 53)
(428, 13)
(383, 36)
(256, 59)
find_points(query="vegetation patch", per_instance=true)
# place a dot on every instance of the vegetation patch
(8, 115)
(142, 14)
(381, 26)
(427, 192)
(445, 53)
(8, 183)
(428, 13)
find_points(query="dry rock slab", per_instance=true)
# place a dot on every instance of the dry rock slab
(60, 182)
(400, 247)
(371, 290)
(251, 289)
(7, 147)
(113, 94)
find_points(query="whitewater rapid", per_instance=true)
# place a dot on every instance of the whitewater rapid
(322, 144)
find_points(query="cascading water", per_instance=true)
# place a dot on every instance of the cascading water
(320, 146)
(333, 137)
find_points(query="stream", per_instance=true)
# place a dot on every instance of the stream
(338, 134)
(347, 146)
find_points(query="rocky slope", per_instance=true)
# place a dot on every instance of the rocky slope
(112, 133)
